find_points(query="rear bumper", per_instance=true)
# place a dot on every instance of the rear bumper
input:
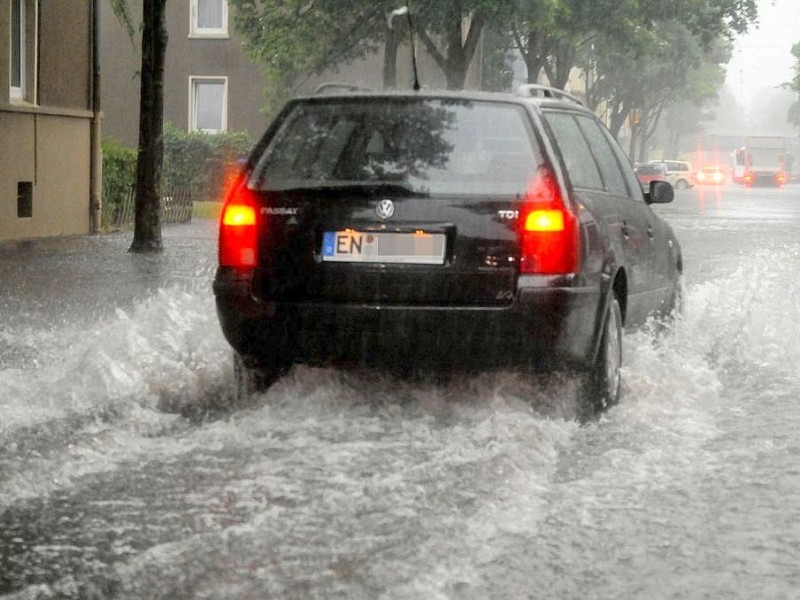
(764, 178)
(546, 327)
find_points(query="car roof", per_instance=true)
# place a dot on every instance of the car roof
(670, 160)
(531, 94)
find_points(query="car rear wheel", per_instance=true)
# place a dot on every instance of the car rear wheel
(674, 307)
(681, 184)
(252, 379)
(604, 380)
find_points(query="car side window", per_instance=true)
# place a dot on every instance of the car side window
(578, 159)
(609, 167)
(627, 168)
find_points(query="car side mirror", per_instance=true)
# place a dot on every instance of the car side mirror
(661, 192)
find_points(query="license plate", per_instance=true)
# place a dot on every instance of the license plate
(383, 247)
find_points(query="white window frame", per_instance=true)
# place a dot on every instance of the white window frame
(193, 80)
(17, 93)
(195, 31)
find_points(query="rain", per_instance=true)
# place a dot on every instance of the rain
(126, 473)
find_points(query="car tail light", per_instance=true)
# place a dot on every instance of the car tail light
(780, 178)
(748, 178)
(238, 238)
(549, 240)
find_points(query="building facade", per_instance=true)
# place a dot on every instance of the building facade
(46, 118)
(209, 83)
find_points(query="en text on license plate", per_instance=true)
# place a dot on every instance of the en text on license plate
(385, 247)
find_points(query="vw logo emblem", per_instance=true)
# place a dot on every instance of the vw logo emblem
(385, 209)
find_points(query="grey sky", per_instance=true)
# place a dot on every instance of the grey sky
(762, 58)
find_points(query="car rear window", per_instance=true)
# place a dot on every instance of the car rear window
(429, 146)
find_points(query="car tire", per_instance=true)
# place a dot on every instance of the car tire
(681, 184)
(603, 382)
(252, 379)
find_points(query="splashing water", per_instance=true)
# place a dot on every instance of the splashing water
(353, 485)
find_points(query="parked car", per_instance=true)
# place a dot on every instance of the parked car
(679, 172)
(441, 232)
(650, 172)
(710, 176)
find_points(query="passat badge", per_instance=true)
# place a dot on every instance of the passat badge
(279, 210)
(385, 209)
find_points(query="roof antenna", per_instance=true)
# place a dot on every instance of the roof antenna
(403, 10)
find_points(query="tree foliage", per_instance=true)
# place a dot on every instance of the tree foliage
(123, 14)
(673, 68)
(639, 56)
(294, 39)
(794, 84)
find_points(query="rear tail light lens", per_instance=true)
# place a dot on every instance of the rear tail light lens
(238, 239)
(780, 178)
(549, 240)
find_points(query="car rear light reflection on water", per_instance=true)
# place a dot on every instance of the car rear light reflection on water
(550, 242)
(237, 231)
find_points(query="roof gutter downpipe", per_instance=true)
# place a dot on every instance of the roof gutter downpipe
(96, 158)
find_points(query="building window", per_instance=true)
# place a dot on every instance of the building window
(209, 18)
(17, 72)
(208, 104)
(24, 199)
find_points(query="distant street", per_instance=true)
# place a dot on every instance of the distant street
(124, 472)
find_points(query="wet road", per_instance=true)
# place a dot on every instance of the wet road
(123, 476)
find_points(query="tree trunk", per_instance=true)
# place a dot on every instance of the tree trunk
(390, 58)
(458, 55)
(533, 58)
(634, 139)
(562, 67)
(147, 225)
(456, 71)
(618, 115)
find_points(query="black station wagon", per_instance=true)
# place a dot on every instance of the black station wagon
(441, 232)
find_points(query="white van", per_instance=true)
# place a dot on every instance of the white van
(679, 172)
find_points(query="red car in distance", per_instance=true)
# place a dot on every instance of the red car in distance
(650, 172)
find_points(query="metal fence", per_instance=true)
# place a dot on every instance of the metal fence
(119, 207)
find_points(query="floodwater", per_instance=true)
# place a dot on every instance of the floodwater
(124, 475)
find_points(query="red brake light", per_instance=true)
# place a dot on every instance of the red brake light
(549, 240)
(238, 237)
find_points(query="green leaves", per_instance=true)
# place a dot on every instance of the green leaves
(123, 13)
(794, 110)
(294, 39)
